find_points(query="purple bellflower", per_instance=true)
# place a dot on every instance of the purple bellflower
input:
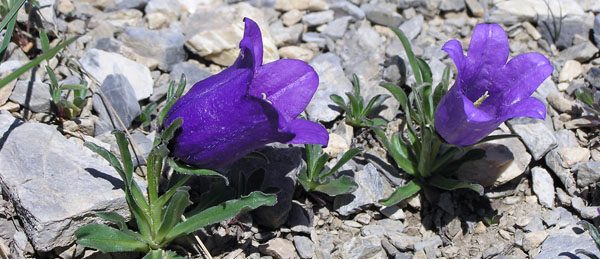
(246, 106)
(488, 90)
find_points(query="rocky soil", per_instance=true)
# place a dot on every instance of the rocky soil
(538, 186)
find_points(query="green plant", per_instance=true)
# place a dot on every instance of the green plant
(145, 117)
(417, 148)
(159, 218)
(594, 233)
(356, 112)
(590, 98)
(315, 176)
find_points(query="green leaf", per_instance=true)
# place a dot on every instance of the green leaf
(11, 15)
(180, 86)
(424, 163)
(426, 71)
(402, 161)
(375, 122)
(414, 64)
(174, 211)
(52, 75)
(585, 96)
(44, 40)
(496, 137)
(341, 185)
(110, 157)
(187, 169)
(72, 87)
(169, 133)
(221, 212)
(402, 193)
(108, 239)
(217, 193)
(180, 181)
(449, 184)
(123, 144)
(375, 102)
(344, 159)
(35, 62)
(114, 218)
(339, 101)
(451, 168)
(444, 158)
(355, 109)
(592, 230)
(162, 254)
(306, 182)
(399, 94)
(8, 35)
(356, 85)
(441, 88)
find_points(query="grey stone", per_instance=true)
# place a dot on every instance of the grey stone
(433, 242)
(543, 186)
(282, 169)
(165, 46)
(375, 230)
(589, 212)
(34, 95)
(115, 5)
(363, 247)
(551, 217)
(286, 35)
(412, 27)
(332, 80)
(55, 184)
(100, 64)
(403, 242)
(318, 18)
(304, 247)
(193, 74)
(565, 243)
(581, 52)
(372, 187)
(587, 173)
(475, 7)
(108, 44)
(554, 162)
(391, 227)
(452, 5)
(343, 8)
(145, 144)
(535, 135)
(597, 30)
(405, 4)
(279, 248)
(121, 96)
(337, 28)
(382, 13)
(569, 26)
(513, 11)
(593, 77)
(313, 37)
(546, 88)
(535, 224)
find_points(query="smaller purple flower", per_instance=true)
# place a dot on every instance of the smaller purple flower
(246, 106)
(488, 90)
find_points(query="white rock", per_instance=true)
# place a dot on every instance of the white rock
(218, 39)
(291, 17)
(100, 64)
(336, 145)
(570, 71)
(504, 11)
(573, 155)
(543, 186)
(295, 52)
(312, 5)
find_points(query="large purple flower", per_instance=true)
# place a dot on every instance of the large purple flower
(246, 106)
(464, 115)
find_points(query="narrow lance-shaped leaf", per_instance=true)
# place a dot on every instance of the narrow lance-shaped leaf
(402, 161)
(108, 239)
(185, 169)
(221, 212)
(409, 53)
(402, 193)
(449, 184)
(35, 62)
(8, 34)
(339, 101)
(174, 211)
(13, 11)
(343, 184)
(345, 158)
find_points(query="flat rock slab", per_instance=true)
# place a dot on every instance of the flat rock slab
(55, 184)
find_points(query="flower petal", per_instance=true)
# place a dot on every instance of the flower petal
(530, 107)
(459, 122)
(221, 123)
(455, 51)
(522, 75)
(288, 84)
(251, 47)
(308, 132)
(489, 45)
